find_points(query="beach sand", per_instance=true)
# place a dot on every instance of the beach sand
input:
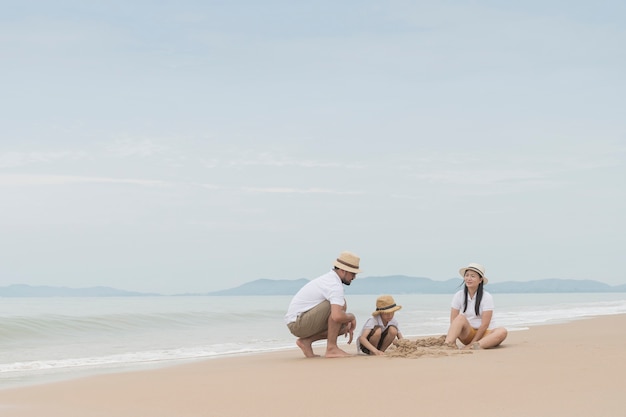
(571, 369)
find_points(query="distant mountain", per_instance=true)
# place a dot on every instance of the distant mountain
(553, 285)
(19, 290)
(264, 287)
(394, 284)
(400, 284)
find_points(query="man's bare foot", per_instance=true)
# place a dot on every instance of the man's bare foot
(335, 352)
(306, 347)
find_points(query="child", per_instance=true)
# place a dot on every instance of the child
(381, 329)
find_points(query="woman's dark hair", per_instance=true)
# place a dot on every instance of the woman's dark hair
(479, 297)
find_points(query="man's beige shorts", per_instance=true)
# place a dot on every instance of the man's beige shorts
(311, 322)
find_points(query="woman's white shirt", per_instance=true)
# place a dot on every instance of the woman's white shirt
(486, 304)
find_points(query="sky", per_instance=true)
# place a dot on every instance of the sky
(194, 146)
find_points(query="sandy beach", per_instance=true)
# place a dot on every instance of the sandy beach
(570, 369)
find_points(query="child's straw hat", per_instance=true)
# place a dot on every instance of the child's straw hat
(385, 304)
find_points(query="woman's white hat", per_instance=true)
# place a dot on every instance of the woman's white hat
(475, 267)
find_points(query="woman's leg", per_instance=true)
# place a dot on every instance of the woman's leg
(493, 339)
(459, 329)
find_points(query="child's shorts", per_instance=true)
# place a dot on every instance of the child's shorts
(380, 342)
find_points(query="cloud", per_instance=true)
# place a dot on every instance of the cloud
(127, 148)
(18, 159)
(479, 176)
(210, 186)
(280, 159)
(17, 180)
(265, 160)
(284, 190)
(507, 172)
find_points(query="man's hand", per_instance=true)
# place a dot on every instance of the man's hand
(350, 330)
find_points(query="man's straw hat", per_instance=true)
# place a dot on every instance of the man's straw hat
(348, 261)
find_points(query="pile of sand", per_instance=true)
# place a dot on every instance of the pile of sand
(427, 346)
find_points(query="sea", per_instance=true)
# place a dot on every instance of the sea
(50, 339)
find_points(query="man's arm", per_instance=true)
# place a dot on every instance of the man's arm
(339, 315)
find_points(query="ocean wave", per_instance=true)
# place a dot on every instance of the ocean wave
(53, 338)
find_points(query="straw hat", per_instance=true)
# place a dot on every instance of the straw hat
(385, 304)
(477, 268)
(348, 261)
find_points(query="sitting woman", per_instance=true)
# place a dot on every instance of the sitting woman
(472, 311)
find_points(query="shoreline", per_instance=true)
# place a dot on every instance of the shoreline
(188, 332)
(71, 374)
(569, 369)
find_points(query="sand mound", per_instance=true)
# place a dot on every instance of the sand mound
(427, 346)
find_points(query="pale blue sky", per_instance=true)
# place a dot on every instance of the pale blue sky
(192, 146)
